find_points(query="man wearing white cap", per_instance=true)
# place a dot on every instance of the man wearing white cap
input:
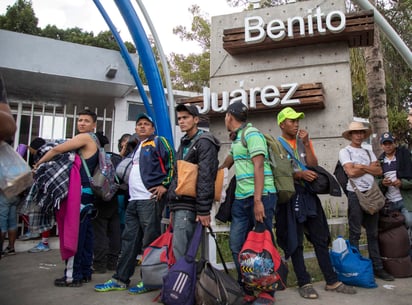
(361, 166)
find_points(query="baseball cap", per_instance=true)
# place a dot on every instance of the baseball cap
(143, 115)
(192, 109)
(238, 110)
(289, 113)
(387, 137)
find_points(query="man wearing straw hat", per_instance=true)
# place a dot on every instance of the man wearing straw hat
(361, 166)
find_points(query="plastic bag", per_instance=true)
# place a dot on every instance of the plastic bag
(15, 174)
(352, 268)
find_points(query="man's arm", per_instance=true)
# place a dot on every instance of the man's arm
(258, 165)
(78, 142)
(228, 163)
(8, 125)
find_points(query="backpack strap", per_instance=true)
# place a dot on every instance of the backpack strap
(195, 242)
(242, 136)
(289, 149)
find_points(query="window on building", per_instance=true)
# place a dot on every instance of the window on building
(133, 110)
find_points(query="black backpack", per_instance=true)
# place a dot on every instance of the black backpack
(341, 176)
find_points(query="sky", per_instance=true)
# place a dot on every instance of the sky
(165, 15)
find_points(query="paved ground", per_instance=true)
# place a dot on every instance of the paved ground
(27, 279)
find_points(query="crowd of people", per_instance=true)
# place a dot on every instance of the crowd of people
(98, 236)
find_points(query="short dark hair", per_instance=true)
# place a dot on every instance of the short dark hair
(122, 138)
(89, 112)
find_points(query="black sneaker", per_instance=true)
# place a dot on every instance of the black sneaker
(8, 251)
(382, 274)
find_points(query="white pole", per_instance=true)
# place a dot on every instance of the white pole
(390, 33)
(166, 72)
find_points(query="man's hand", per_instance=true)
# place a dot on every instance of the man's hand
(158, 191)
(204, 220)
(308, 175)
(259, 210)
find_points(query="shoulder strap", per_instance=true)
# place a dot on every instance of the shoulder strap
(289, 149)
(218, 249)
(242, 136)
(195, 242)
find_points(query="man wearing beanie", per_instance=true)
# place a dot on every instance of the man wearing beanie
(255, 198)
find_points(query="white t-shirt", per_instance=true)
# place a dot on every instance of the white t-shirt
(137, 190)
(351, 154)
(389, 170)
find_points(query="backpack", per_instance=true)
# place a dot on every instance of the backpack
(179, 283)
(157, 259)
(341, 176)
(280, 165)
(104, 181)
(259, 261)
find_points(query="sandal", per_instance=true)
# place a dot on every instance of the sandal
(308, 292)
(340, 287)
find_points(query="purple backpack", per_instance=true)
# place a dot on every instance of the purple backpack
(180, 282)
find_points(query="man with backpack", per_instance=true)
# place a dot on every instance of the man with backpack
(255, 194)
(198, 147)
(304, 214)
(150, 177)
(78, 267)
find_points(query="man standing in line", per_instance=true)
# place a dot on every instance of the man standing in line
(361, 166)
(8, 221)
(304, 213)
(198, 147)
(410, 118)
(255, 194)
(78, 267)
(150, 177)
(396, 181)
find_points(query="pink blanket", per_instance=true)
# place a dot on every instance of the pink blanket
(68, 216)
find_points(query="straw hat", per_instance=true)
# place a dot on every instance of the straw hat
(356, 126)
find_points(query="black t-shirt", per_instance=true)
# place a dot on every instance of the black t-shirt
(3, 95)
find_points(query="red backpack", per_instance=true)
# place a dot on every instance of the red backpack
(260, 260)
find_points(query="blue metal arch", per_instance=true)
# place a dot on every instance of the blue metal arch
(161, 115)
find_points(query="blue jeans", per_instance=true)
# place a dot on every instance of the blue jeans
(357, 218)
(142, 227)
(8, 214)
(184, 225)
(243, 221)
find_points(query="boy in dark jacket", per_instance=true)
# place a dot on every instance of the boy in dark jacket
(201, 148)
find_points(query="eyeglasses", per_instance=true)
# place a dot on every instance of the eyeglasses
(410, 114)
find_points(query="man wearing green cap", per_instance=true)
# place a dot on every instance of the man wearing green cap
(304, 212)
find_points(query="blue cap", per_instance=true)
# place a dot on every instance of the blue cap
(387, 137)
(143, 115)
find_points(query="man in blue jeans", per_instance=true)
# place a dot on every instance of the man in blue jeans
(255, 194)
(149, 179)
(199, 147)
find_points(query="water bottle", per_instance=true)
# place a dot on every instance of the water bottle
(339, 245)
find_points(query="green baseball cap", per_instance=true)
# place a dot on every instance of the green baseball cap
(289, 113)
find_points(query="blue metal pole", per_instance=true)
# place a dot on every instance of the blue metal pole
(127, 58)
(149, 66)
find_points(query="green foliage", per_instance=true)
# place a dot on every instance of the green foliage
(20, 17)
(191, 72)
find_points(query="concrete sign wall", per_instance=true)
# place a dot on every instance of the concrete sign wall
(326, 63)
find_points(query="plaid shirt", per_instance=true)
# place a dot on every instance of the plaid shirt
(50, 187)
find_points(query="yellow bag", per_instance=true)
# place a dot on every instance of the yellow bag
(187, 179)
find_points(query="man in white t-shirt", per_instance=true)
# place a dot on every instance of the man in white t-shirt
(361, 166)
(149, 179)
